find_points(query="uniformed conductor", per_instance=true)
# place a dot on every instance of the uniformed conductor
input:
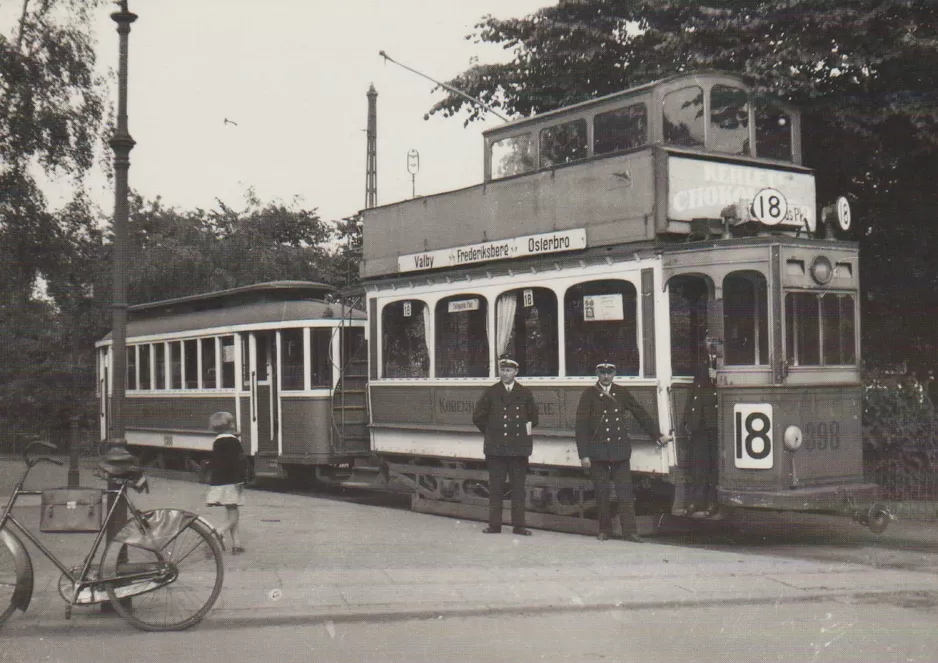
(505, 414)
(605, 449)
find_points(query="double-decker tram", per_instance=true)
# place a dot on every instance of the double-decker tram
(283, 358)
(623, 229)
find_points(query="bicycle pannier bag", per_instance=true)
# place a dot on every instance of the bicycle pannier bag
(71, 510)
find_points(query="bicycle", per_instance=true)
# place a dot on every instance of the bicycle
(162, 571)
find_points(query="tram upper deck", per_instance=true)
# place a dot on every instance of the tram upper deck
(657, 161)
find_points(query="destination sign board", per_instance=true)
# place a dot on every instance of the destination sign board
(701, 189)
(503, 249)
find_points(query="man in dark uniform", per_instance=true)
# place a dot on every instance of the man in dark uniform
(505, 414)
(605, 449)
(701, 422)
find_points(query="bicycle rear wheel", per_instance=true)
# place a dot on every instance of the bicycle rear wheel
(178, 601)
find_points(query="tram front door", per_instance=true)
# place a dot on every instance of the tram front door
(264, 410)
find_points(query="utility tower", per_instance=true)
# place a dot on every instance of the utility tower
(371, 157)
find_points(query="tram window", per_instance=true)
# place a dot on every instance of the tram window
(144, 360)
(320, 357)
(687, 297)
(131, 366)
(526, 329)
(405, 328)
(600, 319)
(745, 321)
(291, 359)
(160, 365)
(563, 143)
(837, 323)
(462, 346)
(209, 372)
(621, 129)
(802, 329)
(191, 351)
(227, 362)
(819, 329)
(512, 156)
(729, 120)
(245, 360)
(684, 117)
(175, 365)
(773, 131)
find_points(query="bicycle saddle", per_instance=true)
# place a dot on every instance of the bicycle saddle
(121, 466)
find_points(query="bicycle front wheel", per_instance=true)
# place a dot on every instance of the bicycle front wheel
(8, 581)
(186, 589)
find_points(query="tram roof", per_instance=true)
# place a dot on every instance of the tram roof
(256, 292)
(259, 304)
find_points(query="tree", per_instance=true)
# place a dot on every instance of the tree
(865, 74)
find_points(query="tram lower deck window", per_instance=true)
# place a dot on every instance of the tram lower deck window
(462, 346)
(404, 334)
(819, 329)
(526, 329)
(745, 319)
(600, 319)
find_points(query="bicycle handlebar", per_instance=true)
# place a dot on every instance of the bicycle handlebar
(30, 462)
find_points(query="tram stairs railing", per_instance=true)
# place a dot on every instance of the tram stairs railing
(350, 397)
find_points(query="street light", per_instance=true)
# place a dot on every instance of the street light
(121, 143)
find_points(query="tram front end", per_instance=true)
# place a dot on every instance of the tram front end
(796, 448)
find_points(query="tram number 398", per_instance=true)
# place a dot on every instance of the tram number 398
(752, 424)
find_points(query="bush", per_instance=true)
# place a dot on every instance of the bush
(899, 435)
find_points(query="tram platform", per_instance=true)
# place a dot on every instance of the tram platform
(312, 560)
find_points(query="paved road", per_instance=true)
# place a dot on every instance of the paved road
(314, 561)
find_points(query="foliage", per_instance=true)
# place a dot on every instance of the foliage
(865, 73)
(900, 432)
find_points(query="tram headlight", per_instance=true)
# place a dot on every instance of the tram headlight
(793, 438)
(822, 271)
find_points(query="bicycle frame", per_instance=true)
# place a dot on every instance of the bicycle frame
(86, 589)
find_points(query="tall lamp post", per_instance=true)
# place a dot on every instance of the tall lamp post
(121, 143)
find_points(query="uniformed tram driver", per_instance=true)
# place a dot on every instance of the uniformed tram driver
(605, 449)
(505, 414)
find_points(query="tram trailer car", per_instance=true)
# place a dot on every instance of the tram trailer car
(622, 229)
(283, 358)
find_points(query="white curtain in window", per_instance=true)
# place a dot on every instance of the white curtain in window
(425, 311)
(504, 321)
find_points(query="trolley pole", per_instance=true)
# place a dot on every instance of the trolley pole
(121, 143)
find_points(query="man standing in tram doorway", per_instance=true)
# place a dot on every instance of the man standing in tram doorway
(605, 448)
(505, 414)
(700, 421)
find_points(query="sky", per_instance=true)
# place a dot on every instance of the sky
(293, 75)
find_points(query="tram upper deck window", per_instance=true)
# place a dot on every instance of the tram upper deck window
(405, 328)
(773, 131)
(620, 129)
(819, 329)
(745, 319)
(600, 319)
(291, 359)
(729, 120)
(563, 143)
(526, 329)
(683, 113)
(513, 155)
(462, 346)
